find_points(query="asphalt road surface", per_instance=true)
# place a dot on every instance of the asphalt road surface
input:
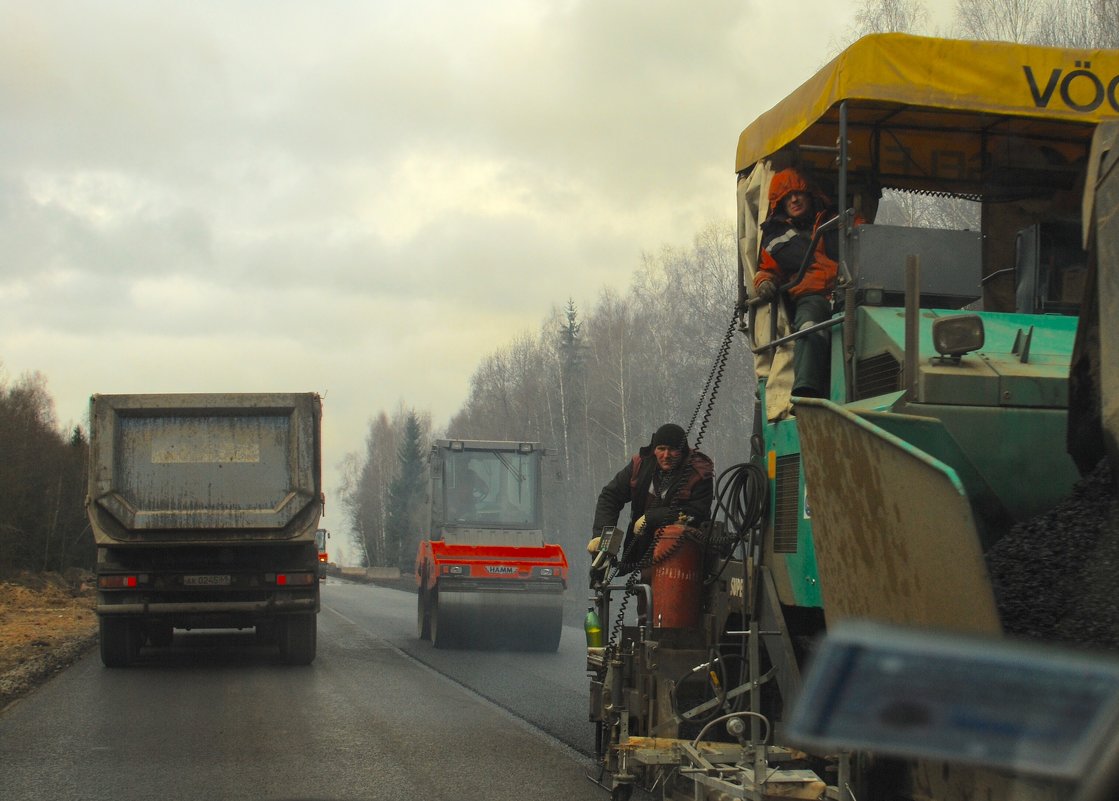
(379, 715)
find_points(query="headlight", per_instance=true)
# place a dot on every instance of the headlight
(956, 335)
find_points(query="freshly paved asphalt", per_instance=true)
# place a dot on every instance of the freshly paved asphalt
(379, 715)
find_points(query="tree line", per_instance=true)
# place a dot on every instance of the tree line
(43, 524)
(591, 386)
(1085, 24)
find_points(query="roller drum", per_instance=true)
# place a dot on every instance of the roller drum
(497, 620)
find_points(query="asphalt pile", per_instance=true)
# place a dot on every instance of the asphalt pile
(1054, 575)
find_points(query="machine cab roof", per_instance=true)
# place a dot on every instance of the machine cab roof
(933, 114)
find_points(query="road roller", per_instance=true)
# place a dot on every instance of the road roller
(486, 579)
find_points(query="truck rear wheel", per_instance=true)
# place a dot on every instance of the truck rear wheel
(298, 639)
(120, 641)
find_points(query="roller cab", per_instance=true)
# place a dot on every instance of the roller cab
(485, 576)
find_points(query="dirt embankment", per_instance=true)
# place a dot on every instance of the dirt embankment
(46, 622)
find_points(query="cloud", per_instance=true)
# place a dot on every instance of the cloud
(362, 199)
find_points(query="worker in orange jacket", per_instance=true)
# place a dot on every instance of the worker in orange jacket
(796, 210)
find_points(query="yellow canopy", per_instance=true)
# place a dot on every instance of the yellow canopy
(944, 114)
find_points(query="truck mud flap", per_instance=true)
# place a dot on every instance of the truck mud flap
(893, 529)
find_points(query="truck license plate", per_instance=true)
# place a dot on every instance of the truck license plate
(206, 581)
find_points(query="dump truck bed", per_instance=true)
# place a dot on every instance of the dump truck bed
(204, 509)
(204, 468)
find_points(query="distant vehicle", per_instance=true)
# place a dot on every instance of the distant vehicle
(486, 578)
(204, 510)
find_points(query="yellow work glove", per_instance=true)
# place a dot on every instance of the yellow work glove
(592, 546)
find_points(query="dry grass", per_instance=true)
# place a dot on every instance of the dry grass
(45, 620)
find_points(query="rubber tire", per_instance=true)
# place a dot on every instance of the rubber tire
(298, 638)
(423, 616)
(120, 641)
(160, 635)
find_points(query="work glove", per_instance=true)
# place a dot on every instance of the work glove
(600, 563)
(767, 291)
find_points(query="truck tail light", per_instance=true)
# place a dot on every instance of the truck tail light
(120, 582)
(290, 579)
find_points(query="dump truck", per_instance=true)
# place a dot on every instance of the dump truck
(949, 423)
(204, 509)
(485, 576)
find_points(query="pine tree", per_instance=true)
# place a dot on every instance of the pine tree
(406, 495)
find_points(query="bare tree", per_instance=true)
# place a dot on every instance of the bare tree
(1085, 24)
(349, 498)
(1000, 20)
(924, 211)
(889, 16)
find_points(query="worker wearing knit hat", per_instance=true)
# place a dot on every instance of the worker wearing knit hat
(670, 434)
(665, 482)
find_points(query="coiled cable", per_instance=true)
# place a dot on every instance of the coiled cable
(742, 496)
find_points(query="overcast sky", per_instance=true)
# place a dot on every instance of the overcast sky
(356, 198)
